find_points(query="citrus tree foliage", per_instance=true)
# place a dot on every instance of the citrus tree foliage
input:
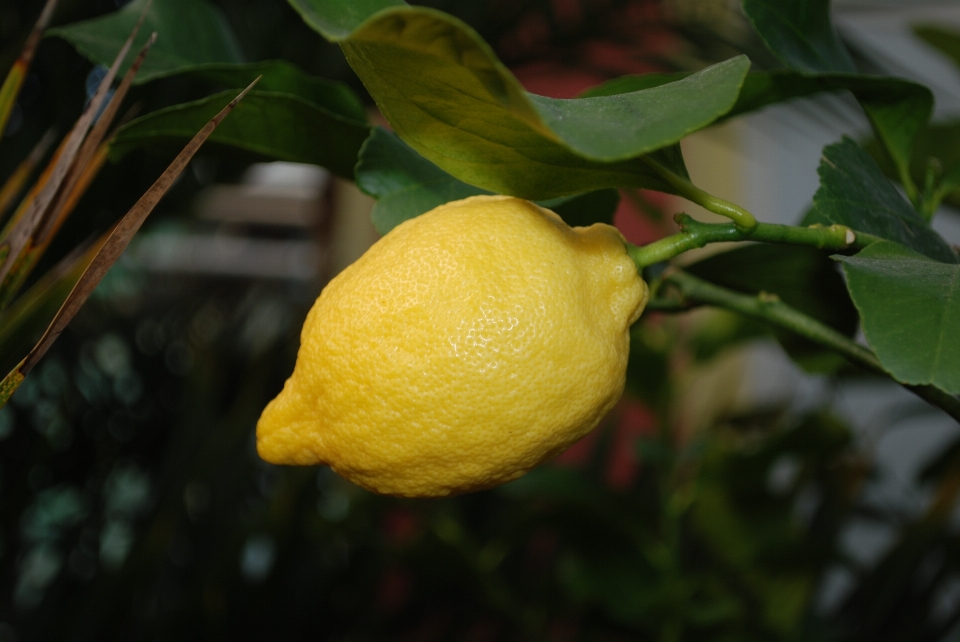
(463, 125)
(700, 545)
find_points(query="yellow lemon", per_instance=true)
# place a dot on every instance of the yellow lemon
(464, 348)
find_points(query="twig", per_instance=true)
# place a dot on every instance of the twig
(694, 234)
(770, 309)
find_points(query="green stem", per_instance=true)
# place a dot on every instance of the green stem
(933, 191)
(691, 192)
(913, 193)
(694, 234)
(770, 309)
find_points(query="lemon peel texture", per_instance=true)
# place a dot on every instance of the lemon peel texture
(464, 348)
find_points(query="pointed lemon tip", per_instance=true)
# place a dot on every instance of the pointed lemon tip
(287, 434)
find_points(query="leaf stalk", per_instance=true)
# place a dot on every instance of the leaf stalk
(695, 234)
(683, 187)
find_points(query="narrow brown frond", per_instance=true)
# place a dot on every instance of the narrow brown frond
(112, 248)
(91, 146)
(20, 237)
(14, 185)
(11, 86)
(27, 201)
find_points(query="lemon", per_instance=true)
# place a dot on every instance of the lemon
(464, 348)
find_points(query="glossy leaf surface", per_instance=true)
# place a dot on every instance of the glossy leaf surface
(854, 192)
(191, 32)
(763, 88)
(406, 185)
(446, 94)
(910, 310)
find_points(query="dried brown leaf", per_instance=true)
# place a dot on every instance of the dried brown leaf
(56, 213)
(14, 185)
(14, 80)
(121, 235)
(16, 243)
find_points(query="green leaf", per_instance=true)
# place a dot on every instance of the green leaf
(910, 310)
(190, 33)
(335, 19)
(446, 94)
(800, 34)
(582, 210)
(802, 277)
(406, 185)
(626, 84)
(898, 109)
(760, 88)
(854, 192)
(280, 76)
(290, 116)
(940, 142)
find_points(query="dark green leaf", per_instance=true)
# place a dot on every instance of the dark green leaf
(854, 192)
(586, 209)
(898, 109)
(910, 310)
(190, 33)
(279, 76)
(760, 88)
(623, 126)
(626, 84)
(800, 34)
(286, 124)
(448, 97)
(940, 143)
(763, 88)
(406, 185)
